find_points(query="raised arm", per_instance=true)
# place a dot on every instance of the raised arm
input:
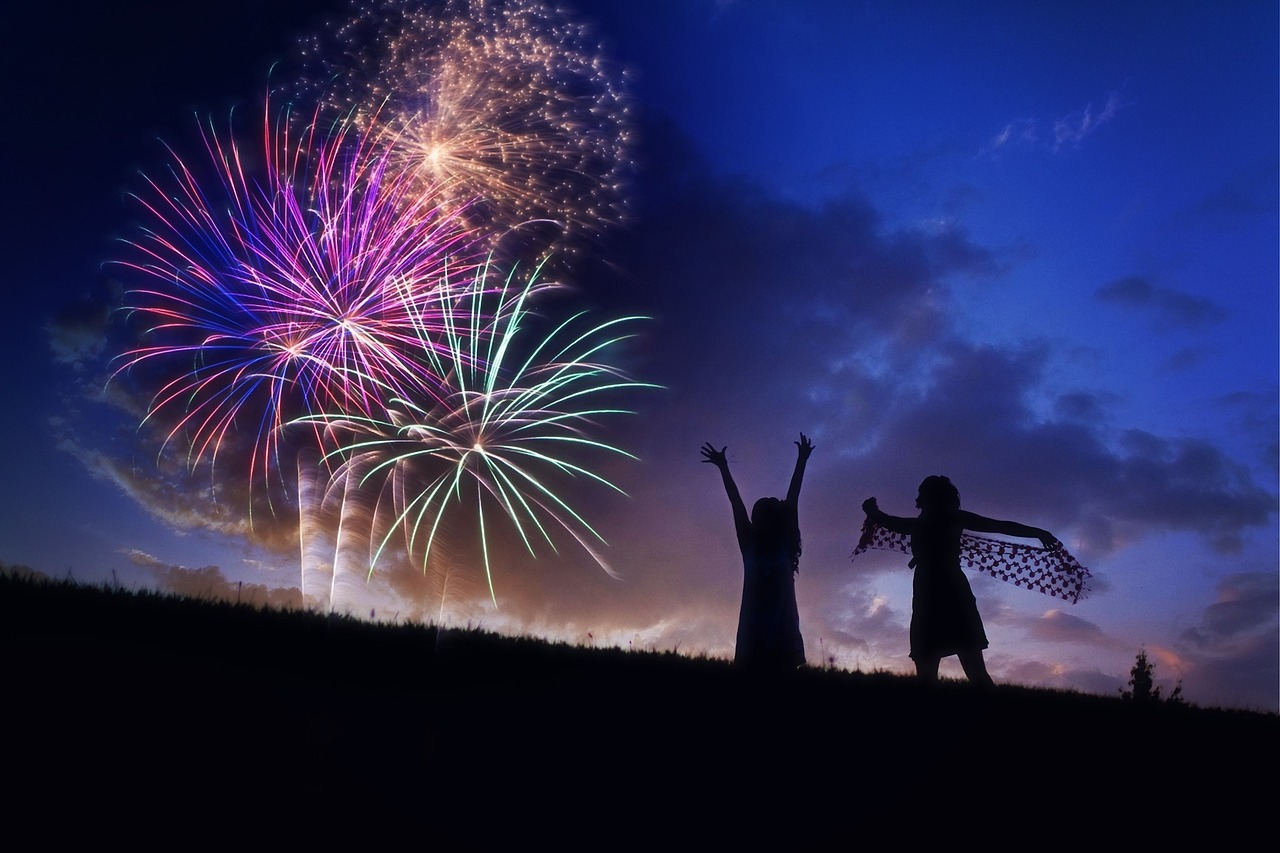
(803, 448)
(896, 523)
(982, 524)
(741, 521)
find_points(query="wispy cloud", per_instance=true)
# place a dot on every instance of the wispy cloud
(1069, 131)
(1020, 133)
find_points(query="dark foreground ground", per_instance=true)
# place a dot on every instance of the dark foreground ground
(166, 724)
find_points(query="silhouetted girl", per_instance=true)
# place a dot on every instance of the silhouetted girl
(768, 620)
(944, 613)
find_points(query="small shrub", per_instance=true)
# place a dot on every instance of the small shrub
(1142, 686)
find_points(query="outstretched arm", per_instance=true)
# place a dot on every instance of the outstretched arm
(718, 459)
(982, 524)
(896, 523)
(803, 448)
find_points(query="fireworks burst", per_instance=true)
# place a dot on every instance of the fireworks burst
(508, 103)
(309, 285)
(508, 437)
(330, 282)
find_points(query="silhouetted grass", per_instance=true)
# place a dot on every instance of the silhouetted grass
(137, 703)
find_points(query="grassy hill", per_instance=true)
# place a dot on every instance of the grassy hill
(144, 716)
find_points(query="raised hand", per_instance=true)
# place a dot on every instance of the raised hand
(870, 507)
(805, 446)
(715, 457)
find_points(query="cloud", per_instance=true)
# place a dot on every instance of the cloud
(209, 584)
(1020, 133)
(1244, 196)
(76, 336)
(184, 501)
(1231, 653)
(1187, 484)
(1062, 677)
(1083, 407)
(750, 291)
(1074, 128)
(1246, 603)
(1244, 673)
(82, 330)
(22, 571)
(1058, 626)
(103, 424)
(1187, 358)
(1069, 131)
(1255, 413)
(1172, 307)
(969, 412)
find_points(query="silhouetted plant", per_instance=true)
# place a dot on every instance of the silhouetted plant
(1142, 686)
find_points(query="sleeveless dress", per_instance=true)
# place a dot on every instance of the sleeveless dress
(768, 620)
(944, 612)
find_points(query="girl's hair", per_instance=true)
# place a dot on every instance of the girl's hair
(773, 523)
(939, 492)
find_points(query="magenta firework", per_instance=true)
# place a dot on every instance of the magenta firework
(507, 103)
(308, 282)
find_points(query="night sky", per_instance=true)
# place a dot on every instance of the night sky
(1032, 247)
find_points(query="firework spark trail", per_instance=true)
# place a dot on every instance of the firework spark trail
(517, 415)
(509, 103)
(352, 507)
(309, 286)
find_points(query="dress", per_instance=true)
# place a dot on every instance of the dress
(944, 612)
(768, 620)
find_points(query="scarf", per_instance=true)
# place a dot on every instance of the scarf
(1049, 570)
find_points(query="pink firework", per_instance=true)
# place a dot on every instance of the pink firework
(308, 282)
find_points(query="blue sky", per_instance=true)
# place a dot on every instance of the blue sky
(1032, 247)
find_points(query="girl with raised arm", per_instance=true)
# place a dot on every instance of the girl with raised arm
(768, 621)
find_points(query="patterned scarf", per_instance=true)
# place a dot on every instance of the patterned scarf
(1049, 570)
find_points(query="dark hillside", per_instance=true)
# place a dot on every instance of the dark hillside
(140, 716)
